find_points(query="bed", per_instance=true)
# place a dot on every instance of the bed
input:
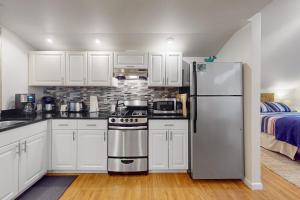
(280, 131)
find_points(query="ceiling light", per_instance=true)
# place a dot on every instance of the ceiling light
(49, 40)
(170, 40)
(97, 41)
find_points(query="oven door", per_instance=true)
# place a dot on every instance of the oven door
(127, 143)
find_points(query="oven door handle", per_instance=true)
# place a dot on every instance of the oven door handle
(127, 128)
(127, 162)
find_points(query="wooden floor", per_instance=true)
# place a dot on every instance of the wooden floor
(176, 186)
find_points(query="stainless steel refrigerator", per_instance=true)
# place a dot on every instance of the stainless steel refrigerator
(216, 135)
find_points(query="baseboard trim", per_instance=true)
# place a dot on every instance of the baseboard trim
(253, 186)
(77, 171)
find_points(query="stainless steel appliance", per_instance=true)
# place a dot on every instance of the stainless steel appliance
(128, 139)
(216, 136)
(25, 103)
(48, 104)
(165, 106)
(76, 106)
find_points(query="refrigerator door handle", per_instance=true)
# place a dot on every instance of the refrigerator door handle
(195, 95)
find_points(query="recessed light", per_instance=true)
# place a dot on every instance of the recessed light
(97, 41)
(170, 40)
(49, 40)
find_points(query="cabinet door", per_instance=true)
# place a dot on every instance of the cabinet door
(178, 149)
(174, 69)
(9, 166)
(76, 68)
(64, 149)
(130, 60)
(158, 150)
(157, 69)
(100, 66)
(92, 150)
(33, 162)
(47, 68)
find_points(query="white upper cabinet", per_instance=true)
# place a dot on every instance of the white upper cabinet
(174, 69)
(47, 68)
(100, 67)
(165, 69)
(76, 68)
(130, 60)
(156, 69)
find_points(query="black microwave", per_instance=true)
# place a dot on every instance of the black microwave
(165, 106)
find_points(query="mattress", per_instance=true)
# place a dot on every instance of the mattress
(285, 126)
(271, 143)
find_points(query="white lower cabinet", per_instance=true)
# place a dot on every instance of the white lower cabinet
(92, 150)
(9, 171)
(23, 158)
(178, 149)
(33, 162)
(158, 149)
(64, 146)
(168, 148)
(82, 148)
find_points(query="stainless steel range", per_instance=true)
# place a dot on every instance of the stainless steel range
(128, 139)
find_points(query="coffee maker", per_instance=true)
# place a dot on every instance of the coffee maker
(48, 104)
(25, 103)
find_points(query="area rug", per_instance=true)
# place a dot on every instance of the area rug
(282, 165)
(48, 188)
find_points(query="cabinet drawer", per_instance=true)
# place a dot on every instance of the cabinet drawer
(168, 124)
(92, 124)
(64, 124)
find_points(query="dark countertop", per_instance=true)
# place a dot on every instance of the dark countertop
(30, 119)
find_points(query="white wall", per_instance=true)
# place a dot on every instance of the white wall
(245, 46)
(280, 50)
(14, 62)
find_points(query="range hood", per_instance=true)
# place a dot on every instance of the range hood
(130, 74)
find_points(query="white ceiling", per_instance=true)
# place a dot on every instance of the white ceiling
(199, 27)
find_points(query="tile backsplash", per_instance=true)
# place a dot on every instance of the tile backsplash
(125, 90)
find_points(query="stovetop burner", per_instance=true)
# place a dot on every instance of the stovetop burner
(130, 113)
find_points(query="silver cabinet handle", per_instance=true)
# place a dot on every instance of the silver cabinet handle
(166, 135)
(163, 81)
(18, 148)
(169, 124)
(24, 146)
(91, 125)
(73, 135)
(63, 125)
(167, 81)
(104, 136)
(84, 81)
(171, 135)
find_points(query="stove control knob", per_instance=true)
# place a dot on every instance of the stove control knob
(113, 120)
(131, 120)
(121, 120)
(126, 120)
(136, 120)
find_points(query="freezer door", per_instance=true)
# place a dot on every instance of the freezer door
(217, 79)
(217, 145)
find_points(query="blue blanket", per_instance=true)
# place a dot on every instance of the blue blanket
(286, 129)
